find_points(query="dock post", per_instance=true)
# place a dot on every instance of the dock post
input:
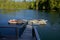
(17, 32)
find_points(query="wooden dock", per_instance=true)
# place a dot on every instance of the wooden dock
(27, 34)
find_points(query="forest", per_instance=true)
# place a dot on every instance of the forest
(46, 4)
(37, 4)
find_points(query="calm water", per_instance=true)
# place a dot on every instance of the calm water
(22, 14)
(49, 32)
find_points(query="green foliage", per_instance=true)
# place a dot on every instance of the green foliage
(13, 5)
(32, 5)
(38, 4)
(48, 4)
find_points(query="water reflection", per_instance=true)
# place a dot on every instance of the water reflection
(4, 11)
(51, 31)
(53, 17)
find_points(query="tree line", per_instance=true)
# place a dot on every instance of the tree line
(38, 4)
(46, 4)
(9, 4)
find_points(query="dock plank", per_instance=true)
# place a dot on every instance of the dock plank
(27, 34)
